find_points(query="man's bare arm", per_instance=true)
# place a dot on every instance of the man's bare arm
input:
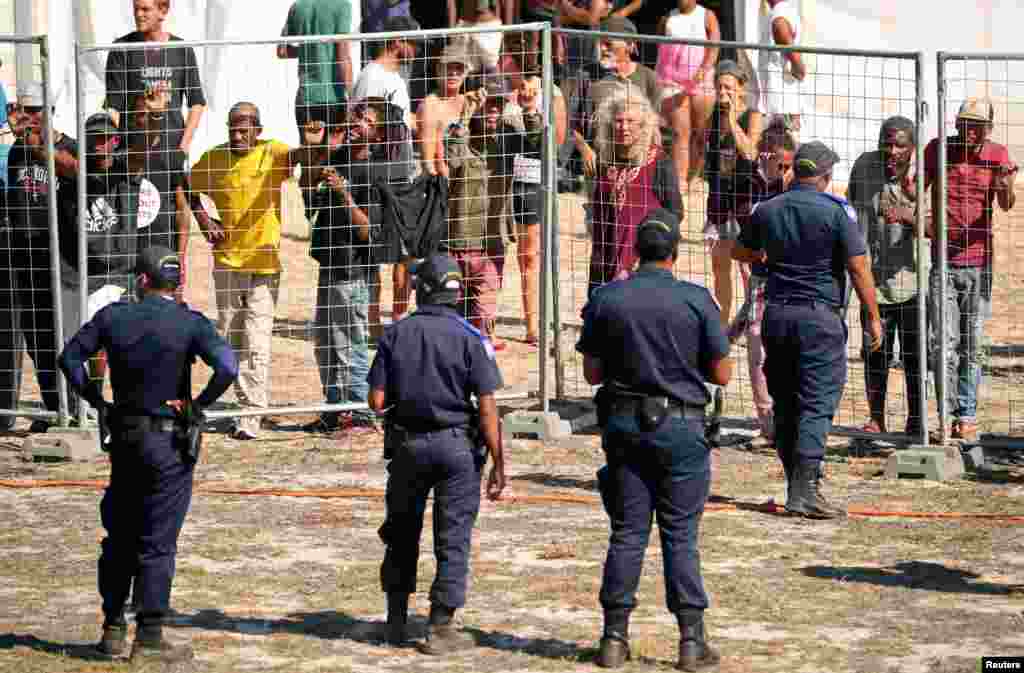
(195, 115)
(377, 400)
(782, 32)
(344, 62)
(490, 429)
(748, 256)
(720, 371)
(864, 283)
(593, 370)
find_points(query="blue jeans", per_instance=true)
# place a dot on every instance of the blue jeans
(666, 473)
(968, 294)
(340, 334)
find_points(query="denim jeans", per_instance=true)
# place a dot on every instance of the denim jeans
(968, 296)
(340, 333)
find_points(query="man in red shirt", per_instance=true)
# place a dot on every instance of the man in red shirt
(979, 172)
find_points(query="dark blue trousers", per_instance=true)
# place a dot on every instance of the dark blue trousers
(143, 511)
(441, 461)
(805, 364)
(665, 473)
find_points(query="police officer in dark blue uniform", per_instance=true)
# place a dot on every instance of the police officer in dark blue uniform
(651, 409)
(428, 368)
(149, 344)
(809, 239)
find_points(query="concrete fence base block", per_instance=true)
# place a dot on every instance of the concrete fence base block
(535, 425)
(974, 459)
(63, 444)
(938, 463)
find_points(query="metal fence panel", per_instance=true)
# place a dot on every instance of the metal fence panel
(981, 321)
(843, 101)
(322, 322)
(30, 281)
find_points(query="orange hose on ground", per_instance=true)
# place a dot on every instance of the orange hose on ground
(330, 493)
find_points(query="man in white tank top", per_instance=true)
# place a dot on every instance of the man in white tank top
(782, 74)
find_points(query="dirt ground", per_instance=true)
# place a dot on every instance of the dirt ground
(291, 583)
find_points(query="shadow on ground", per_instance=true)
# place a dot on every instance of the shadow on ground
(332, 624)
(82, 651)
(915, 575)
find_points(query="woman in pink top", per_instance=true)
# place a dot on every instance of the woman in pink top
(686, 73)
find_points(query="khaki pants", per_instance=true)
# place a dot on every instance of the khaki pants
(245, 316)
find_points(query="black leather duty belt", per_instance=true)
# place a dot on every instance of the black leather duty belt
(808, 303)
(146, 423)
(452, 431)
(628, 405)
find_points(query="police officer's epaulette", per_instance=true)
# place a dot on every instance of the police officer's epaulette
(840, 201)
(484, 339)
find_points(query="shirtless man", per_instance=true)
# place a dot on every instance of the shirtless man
(443, 107)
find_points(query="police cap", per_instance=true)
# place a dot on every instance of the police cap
(658, 235)
(814, 159)
(438, 280)
(161, 265)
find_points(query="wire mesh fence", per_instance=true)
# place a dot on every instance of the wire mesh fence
(301, 251)
(975, 338)
(36, 187)
(709, 139)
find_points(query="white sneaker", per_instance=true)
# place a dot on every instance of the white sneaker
(245, 431)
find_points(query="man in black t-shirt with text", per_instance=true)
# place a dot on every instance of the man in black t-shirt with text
(28, 188)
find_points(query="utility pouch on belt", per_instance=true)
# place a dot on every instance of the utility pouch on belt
(188, 426)
(394, 437)
(603, 405)
(651, 412)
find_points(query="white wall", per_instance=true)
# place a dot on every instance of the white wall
(855, 94)
(230, 73)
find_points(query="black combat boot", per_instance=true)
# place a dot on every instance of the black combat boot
(808, 500)
(614, 650)
(442, 635)
(398, 618)
(114, 641)
(788, 469)
(694, 652)
(150, 646)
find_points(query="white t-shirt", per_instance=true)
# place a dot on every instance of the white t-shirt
(377, 81)
(780, 92)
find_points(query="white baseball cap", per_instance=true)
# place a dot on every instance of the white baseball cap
(30, 94)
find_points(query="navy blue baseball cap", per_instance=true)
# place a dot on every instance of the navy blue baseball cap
(658, 234)
(160, 264)
(438, 280)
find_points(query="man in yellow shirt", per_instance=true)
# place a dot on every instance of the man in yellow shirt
(243, 179)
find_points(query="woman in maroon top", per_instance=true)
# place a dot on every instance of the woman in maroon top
(635, 177)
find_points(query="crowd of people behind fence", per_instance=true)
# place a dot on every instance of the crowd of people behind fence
(437, 145)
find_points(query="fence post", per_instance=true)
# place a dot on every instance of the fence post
(923, 251)
(555, 261)
(58, 314)
(83, 250)
(939, 321)
(550, 223)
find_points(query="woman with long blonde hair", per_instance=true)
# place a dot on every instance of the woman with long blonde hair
(635, 176)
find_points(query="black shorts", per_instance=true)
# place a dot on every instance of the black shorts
(526, 203)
